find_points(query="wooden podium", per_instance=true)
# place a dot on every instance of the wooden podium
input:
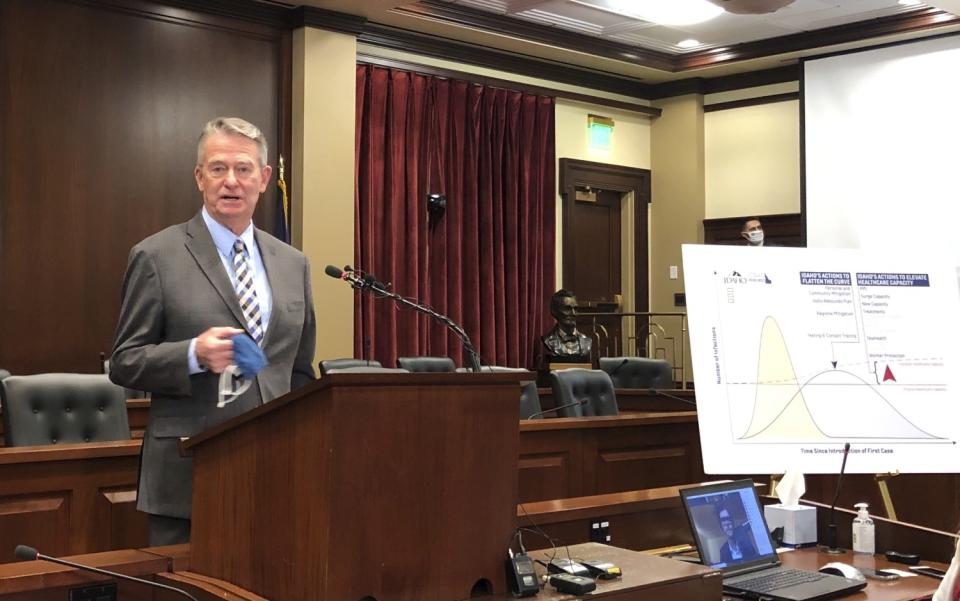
(386, 487)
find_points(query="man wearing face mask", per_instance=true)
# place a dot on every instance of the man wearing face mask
(752, 232)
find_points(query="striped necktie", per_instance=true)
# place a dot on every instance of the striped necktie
(246, 293)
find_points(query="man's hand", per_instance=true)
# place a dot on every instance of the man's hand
(215, 348)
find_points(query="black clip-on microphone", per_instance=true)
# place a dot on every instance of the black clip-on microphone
(371, 284)
(545, 411)
(832, 547)
(674, 397)
(26, 553)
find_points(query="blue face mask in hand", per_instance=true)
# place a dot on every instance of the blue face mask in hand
(248, 360)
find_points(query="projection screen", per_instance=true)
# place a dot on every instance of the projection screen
(881, 135)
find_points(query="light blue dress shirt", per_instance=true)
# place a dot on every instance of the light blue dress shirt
(223, 239)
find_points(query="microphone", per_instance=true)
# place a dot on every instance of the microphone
(656, 392)
(573, 404)
(617, 368)
(347, 274)
(352, 277)
(26, 553)
(832, 547)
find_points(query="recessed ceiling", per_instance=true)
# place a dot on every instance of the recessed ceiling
(606, 19)
(562, 30)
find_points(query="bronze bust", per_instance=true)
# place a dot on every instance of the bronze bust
(564, 341)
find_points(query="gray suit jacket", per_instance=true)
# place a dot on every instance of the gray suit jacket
(175, 288)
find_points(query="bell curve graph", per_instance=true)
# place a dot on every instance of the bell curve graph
(786, 408)
(796, 352)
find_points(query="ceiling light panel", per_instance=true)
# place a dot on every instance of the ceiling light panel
(662, 12)
(494, 6)
(565, 22)
(806, 15)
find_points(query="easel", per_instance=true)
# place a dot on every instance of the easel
(882, 481)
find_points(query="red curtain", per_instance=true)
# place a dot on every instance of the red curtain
(488, 262)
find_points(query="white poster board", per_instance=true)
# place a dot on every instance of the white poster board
(797, 351)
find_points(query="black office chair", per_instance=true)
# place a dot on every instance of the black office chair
(327, 364)
(62, 408)
(529, 401)
(426, 364)
(592, 388)
(638, 372)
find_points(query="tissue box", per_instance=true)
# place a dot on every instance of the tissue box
(799, 523)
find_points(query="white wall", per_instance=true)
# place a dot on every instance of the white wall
(752, 160)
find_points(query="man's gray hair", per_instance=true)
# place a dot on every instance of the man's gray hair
(237, 126)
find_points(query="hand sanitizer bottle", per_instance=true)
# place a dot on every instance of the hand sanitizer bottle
(863, 541)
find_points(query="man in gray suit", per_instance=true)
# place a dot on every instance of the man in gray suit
(187, 291)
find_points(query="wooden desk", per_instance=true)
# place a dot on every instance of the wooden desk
(904, 589)
(51, 496)
(645, 577)
(580, 456)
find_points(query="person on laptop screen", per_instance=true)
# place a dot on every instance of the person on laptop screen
(738, 546)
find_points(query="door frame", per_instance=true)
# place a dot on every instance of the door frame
(619, 178)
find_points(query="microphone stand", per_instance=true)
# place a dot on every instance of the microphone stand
(832, 548)
(371, 285)
(560, 408)
(26, 553)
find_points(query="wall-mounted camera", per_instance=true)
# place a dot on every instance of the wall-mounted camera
(436, 207)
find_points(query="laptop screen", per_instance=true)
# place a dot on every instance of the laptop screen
(728, 525)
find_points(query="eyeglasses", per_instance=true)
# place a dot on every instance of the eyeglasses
(243, 171)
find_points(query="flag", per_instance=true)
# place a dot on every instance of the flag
(282, 227)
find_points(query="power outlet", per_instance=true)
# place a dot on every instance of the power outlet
(101, 592)
(600, 532)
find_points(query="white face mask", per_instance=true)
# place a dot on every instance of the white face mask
(232, 385)
(755, 236)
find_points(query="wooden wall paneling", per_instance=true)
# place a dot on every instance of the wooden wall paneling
(638, 520)
(607, 454)
(782, 230)
(101, 104)
(127, 526)
(666, 455)
(550, 465)
(928, 499)
(69, 499)
(638, 531)
(38, 520)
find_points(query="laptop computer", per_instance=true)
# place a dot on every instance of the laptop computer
(732, 535)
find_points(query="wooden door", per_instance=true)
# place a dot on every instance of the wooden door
(594, 248)
(595, 274)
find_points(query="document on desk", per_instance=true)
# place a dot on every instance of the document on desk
(797, 351)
